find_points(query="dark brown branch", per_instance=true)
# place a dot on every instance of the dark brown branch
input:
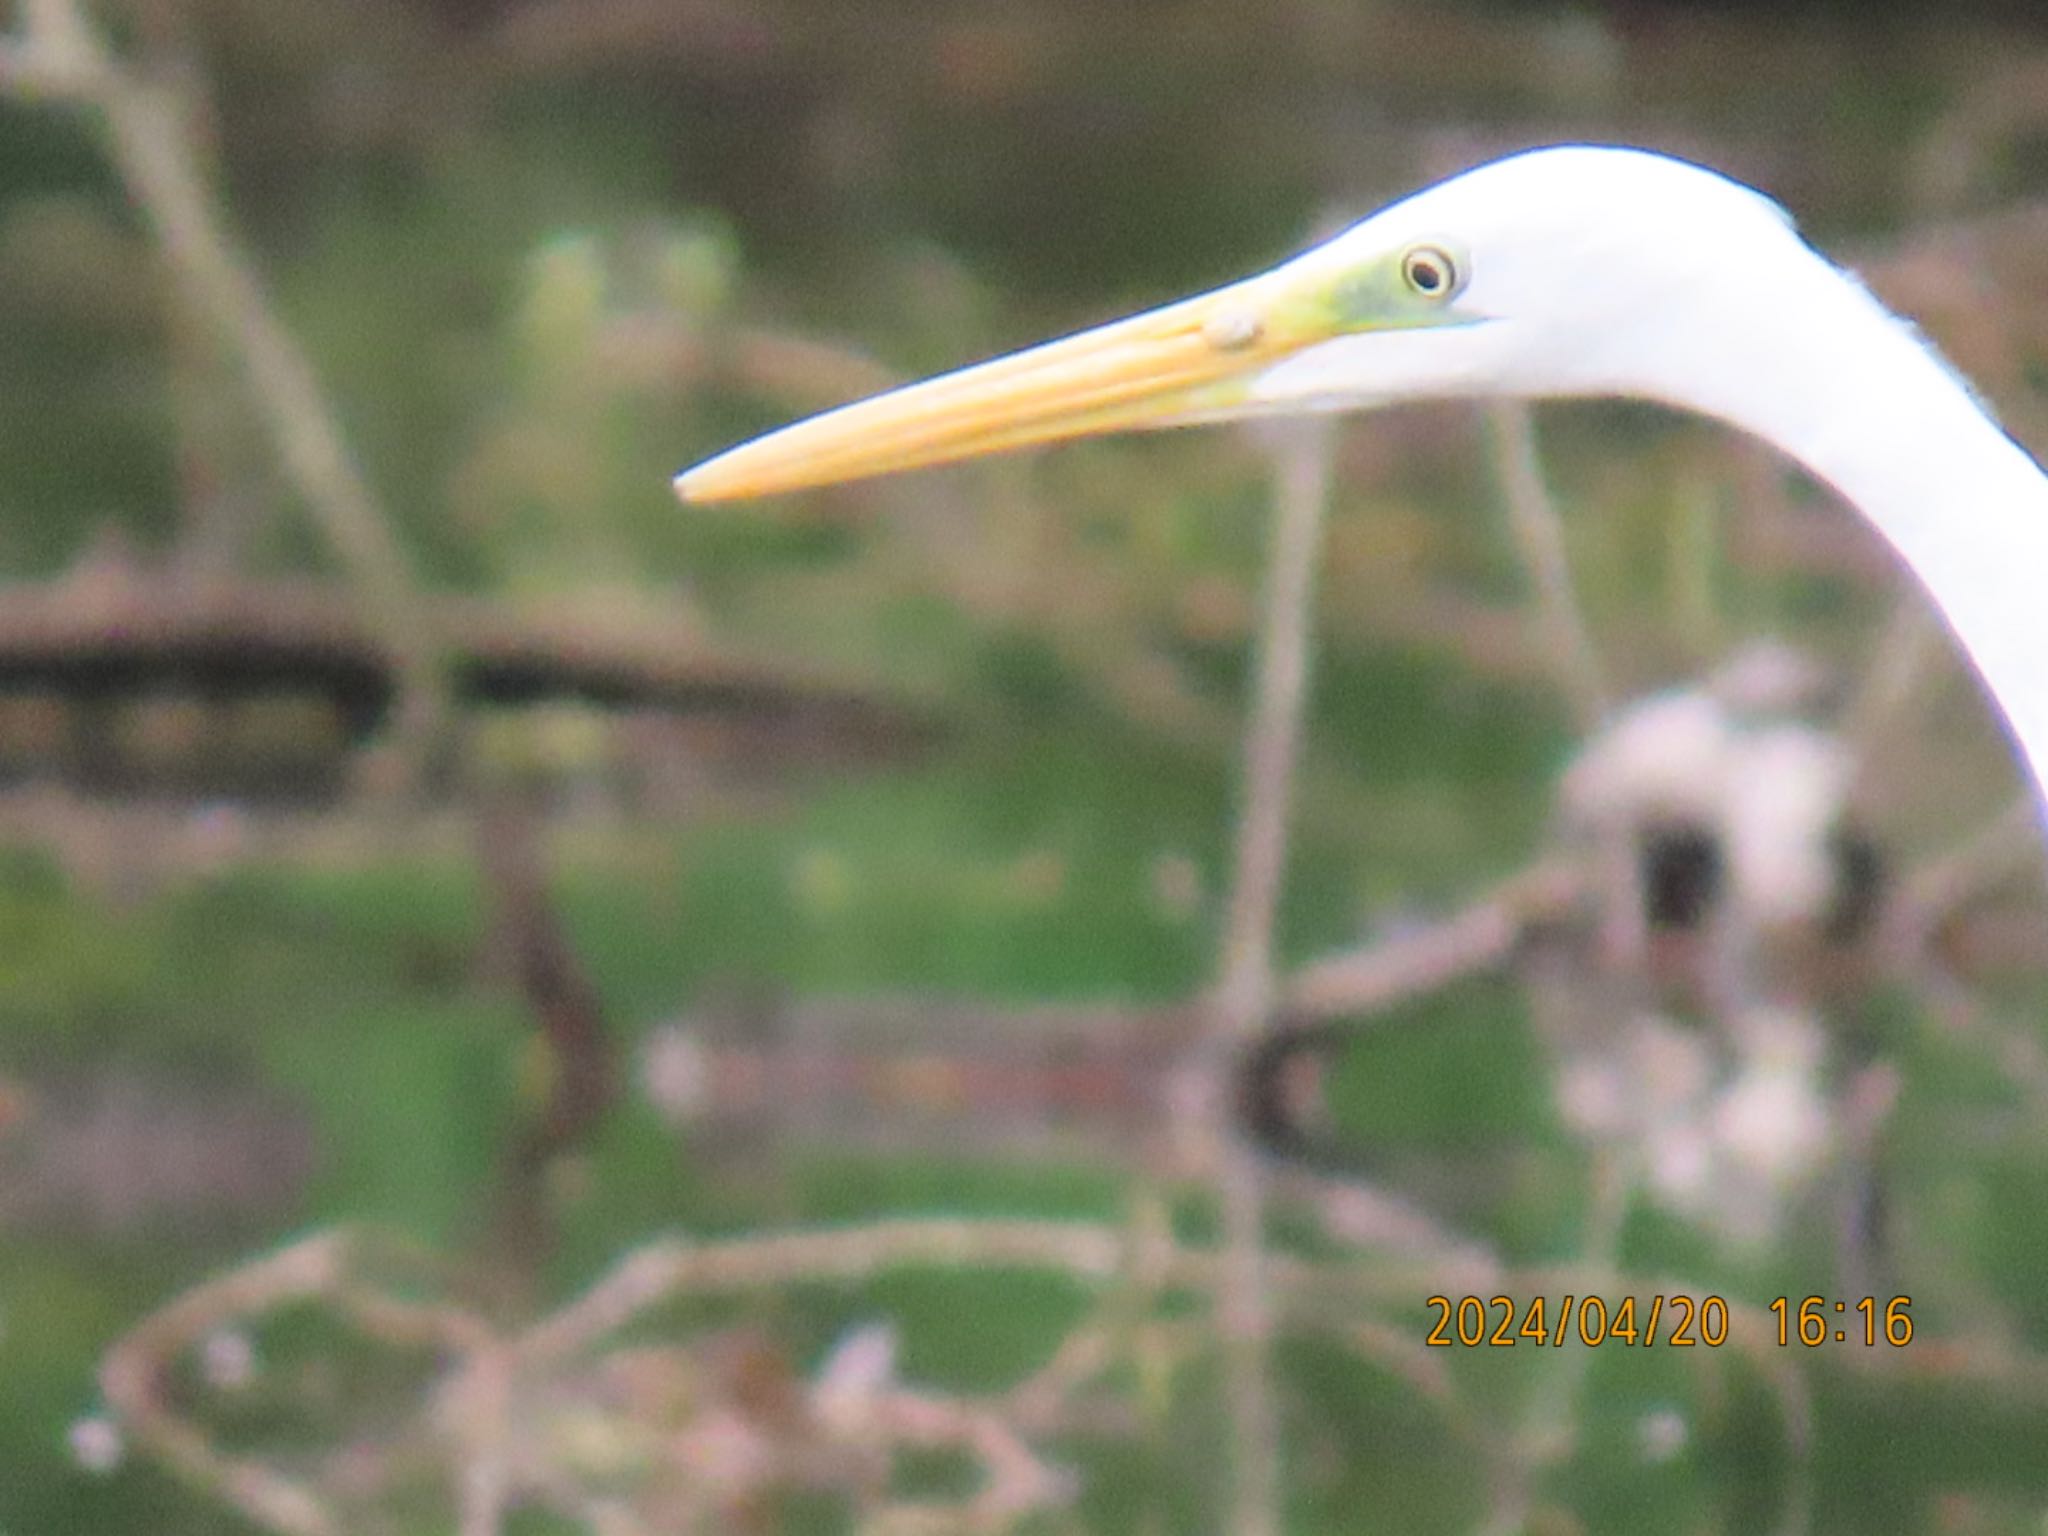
(567, 1010)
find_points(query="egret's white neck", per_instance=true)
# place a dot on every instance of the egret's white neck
(1824, 372)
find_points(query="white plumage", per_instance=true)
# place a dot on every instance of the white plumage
(1615, 272)
(1569, 271)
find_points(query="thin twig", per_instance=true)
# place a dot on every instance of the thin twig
(1302, 463)
(1481, 937)
(658, 1270)
(1539, 541)
(1899, 662)
(1695, 567)
(569, 1014)
(483, 1472)
(1549, 1427)
(2003, 850)
(133, 1372)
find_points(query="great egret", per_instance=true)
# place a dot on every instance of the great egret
(1570, 271)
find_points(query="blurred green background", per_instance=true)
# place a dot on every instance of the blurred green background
(541, 254)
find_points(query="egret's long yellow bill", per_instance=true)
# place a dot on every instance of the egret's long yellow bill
(1167, 367)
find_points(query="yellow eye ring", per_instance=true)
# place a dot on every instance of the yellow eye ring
(1430, 272)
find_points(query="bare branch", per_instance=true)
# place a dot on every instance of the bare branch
(1480, 938)
(1244, 992)
(1906, 648)
(2006, 849)
(60, 53)
(1539, 541)
(654, 1273)
(1547, 1433)
(133, 1373)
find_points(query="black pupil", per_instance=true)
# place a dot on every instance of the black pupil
(1426, 274)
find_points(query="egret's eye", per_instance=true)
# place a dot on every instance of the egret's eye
(1429, 272)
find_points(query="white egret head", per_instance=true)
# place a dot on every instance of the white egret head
(1569, 271)
(1566, 271)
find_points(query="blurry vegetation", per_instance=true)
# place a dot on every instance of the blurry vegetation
(544, 253)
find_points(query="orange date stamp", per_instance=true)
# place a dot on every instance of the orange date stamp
(1503, 1322)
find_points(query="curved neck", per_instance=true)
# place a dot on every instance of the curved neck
(1852, 392)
